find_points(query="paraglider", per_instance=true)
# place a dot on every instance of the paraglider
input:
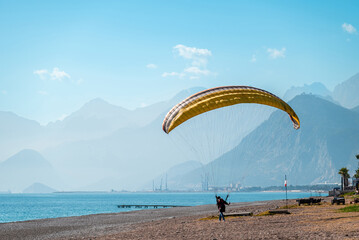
(219, 97)
(216, 120)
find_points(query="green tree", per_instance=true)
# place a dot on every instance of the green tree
(344, 172)
(356, 175)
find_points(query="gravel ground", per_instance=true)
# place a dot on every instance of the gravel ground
(304, 222)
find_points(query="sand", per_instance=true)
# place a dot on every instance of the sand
(305, 222)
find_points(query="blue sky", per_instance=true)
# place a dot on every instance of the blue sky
(57, 55)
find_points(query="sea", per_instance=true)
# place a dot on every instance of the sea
(23, 207)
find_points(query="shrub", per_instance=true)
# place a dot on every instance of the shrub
(353, 208)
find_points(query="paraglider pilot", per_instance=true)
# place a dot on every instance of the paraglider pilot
(221, 204)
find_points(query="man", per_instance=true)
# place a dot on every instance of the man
(221, 204)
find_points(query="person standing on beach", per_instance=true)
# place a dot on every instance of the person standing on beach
(221, 204)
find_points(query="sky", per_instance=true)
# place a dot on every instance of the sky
(57, 55)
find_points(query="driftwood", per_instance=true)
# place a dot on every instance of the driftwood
(238, 214)
(282, 211)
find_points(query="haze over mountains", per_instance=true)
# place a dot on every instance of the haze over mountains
(102, 146)
(25, 168)
(327, 141)
(316, 88)
(347, 92)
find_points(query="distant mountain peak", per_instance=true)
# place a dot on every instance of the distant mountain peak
(99, 103)
(316, 105)
(315, 88)
(326, 141)
(347, 92)
(26, 157)
(97, 108)
(28, 153)
(38, 188)
(8, 118)
(308, 97)
(188, 92)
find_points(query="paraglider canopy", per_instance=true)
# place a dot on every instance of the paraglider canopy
(219, 97)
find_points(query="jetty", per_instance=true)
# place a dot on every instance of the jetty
(147, 206)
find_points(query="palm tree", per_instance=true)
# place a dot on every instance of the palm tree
(344, 172)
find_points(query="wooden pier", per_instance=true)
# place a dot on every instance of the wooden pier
(147, 206)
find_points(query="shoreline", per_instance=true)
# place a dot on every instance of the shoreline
(168, 191)
(199, 222)
(71, 205)
(100, 225)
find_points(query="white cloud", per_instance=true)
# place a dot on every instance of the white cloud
(151, 66)
(58, 75)
(166, 74)
(275, 53)
(42, 73)
(197, 71)
(254, 58)
(197, 57)
(349, 28)
(191, 52)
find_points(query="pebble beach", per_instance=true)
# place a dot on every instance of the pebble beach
(322, 221)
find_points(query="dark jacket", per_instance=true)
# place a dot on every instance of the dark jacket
(221, 204)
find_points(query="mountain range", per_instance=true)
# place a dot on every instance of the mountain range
(24, 168)
(347, 92)
(327, 140)
(102, 146)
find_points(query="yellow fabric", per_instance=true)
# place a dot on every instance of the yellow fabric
(227, 97)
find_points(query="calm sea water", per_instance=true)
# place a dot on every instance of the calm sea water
(21, 207)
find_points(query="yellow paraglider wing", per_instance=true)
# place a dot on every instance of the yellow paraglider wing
(219, 97)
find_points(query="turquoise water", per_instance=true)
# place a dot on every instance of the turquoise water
(21, 207)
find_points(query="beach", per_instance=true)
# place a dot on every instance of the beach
(199, 222)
